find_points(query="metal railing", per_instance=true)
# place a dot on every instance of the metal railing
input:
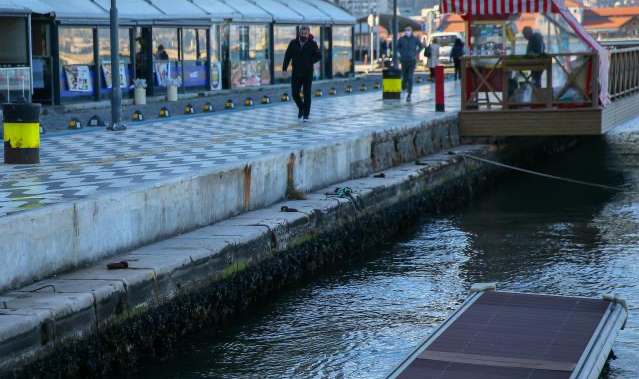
(15, 82)
(623, 77)
(550, 81)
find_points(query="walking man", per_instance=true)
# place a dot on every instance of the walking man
(408, 47)
(303, 52)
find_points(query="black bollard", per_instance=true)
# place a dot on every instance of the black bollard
(391, 84)
(21, 132)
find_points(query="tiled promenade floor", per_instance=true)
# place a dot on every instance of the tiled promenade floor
(77, 165)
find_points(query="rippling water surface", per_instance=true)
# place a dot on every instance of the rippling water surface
(528, 234)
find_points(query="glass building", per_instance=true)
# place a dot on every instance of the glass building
(60, 50)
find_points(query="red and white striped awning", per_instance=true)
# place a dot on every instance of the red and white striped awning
(496, 7)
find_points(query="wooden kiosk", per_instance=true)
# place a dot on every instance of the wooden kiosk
(507, 92)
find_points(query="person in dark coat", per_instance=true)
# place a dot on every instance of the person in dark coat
(456, 54)
(408, 46)
(303, 52)
(535, 47)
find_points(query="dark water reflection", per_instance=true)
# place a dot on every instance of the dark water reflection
(529, 234)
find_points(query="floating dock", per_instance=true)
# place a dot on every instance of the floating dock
(508, 335)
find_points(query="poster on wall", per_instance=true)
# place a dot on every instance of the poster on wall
(108, 75)
(195, 75)
(250, 73)
(216, 75)
(162, 73)
(79, 78)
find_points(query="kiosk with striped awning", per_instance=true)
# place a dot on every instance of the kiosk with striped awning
(532, 69)
(497, 7)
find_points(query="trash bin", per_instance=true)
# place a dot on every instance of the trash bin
(391, 84)
(21, 132)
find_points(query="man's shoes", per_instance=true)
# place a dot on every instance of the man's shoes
(300, 114)
(306, 119)
(408, 100)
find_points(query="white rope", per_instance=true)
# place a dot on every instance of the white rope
(538, 173)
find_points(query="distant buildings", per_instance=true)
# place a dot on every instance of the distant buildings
(603, 23)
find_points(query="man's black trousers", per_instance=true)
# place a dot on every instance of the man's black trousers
(297, 83)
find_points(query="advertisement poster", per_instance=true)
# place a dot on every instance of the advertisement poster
(79, 78)
(162, 73)
(250, 73)
(195, 76)
(108, 75)
(216, 75)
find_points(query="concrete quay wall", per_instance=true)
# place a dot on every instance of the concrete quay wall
(38, 243)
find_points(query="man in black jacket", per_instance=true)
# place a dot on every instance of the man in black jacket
(304, 53)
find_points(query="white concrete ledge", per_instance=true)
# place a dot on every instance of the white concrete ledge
(41, 242)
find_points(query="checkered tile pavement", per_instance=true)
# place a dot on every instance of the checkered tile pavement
(83, 164)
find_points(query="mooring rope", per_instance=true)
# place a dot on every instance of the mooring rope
(574, 181)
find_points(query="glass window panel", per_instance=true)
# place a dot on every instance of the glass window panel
(167, 38)
(76, 46)
(14, 51)
(283, 36)
(316, 31)
(104, 38)
(258, 43)
(215, 43)
(239, 42)
(342, 51)
(189, 44)
(201, 44)
(249, 50)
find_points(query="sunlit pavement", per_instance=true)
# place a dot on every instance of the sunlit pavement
(78, 165)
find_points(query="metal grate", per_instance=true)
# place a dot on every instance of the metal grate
(512, 335)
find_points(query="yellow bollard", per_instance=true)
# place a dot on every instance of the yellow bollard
(137, 115)
(21, 133)
(391, 84)
(75, 124)
(164, 112)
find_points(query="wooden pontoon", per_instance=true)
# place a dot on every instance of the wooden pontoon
(559, 82)
(489, 110)
(508, 335)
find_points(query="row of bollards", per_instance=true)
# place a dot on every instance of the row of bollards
(22, 127)
(229, 104)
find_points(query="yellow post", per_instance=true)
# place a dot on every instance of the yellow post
(391, 84)
(21, 133)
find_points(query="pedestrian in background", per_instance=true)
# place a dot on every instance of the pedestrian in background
(161, 54)
(534, 48)
(456, 54)
(433, 58)
(303, 52)
(408, 48)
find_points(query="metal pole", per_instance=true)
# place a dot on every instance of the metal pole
(395, 65)
(371, 53)
(116, 91)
